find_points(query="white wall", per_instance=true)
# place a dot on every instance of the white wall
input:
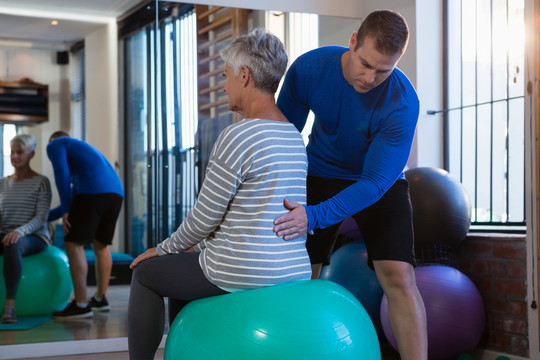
(428, 143)
(531, 179)
(40, 65)
(335, 30)
(101, 91)
(102, 121)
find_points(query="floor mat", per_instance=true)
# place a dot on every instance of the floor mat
(26, 322)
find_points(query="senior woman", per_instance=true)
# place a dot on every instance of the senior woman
(253, 165)
(25, 199)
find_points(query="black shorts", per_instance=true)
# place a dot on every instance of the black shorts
(386, 226)
(93, 217)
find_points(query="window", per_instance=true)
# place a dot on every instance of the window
(78, 99)
(484, 108)
(8, 131)
(160, 79)
(299, 33)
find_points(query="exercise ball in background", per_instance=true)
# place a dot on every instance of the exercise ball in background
(454, 311)
(312, 319)
(349, 229)
(441, 207)
(45, 284)
(348, 267)
(348, 233)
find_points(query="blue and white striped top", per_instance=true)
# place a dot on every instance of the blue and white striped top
(254, 165)
(24, 206)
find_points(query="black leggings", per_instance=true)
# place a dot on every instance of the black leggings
(178, 277)
(26, 245)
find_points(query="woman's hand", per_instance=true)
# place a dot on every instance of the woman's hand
(150, 253)
(11, 238)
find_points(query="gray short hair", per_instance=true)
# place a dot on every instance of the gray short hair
(27, 142)
(263, 54)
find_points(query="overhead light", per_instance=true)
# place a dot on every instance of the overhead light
(32, 44)
(54, 22)
(57, 15)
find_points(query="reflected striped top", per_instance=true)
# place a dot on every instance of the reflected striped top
(254, 165)
(24, 206)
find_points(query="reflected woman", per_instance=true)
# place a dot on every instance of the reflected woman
(25, 199)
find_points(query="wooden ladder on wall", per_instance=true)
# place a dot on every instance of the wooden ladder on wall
(217, 26)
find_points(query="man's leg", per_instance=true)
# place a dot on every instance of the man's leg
(316, 270)
(78, 267)
(406, 310)
(103, 268)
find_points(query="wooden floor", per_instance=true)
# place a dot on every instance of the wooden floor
(104, 325)
(109, 356)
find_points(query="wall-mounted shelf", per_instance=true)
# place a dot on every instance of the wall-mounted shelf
(23, 102)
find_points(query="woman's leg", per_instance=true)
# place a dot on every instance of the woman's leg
(176, 276)
(175, 306)
(26, 245)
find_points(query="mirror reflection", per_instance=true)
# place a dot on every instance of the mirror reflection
(164, 68)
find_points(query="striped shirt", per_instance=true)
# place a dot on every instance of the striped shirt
(24, 206)
(254, 165)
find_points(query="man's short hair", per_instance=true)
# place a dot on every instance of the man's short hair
(57, 134)
(389, 30)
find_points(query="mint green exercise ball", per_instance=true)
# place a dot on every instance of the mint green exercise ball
(313, 319)
(45, 284)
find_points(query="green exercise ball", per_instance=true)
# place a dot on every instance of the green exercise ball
(45, 284)
(313, 319)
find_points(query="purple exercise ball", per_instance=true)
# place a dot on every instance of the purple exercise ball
(454, 310)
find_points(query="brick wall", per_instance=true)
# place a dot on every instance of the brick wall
(496, 263)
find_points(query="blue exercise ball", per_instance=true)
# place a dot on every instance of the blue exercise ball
(441, 207)
(348, 267)
(454, 311)
(312, 319)
(45, 284)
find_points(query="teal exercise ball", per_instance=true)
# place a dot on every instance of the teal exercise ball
(45, 284)
(312, 319)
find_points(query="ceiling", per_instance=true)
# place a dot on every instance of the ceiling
(29, 21)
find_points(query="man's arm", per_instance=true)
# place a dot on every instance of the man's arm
(385, 160)
(57, 154)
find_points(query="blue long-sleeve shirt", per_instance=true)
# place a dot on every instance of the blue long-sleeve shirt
(365, 137)
(79, 168)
